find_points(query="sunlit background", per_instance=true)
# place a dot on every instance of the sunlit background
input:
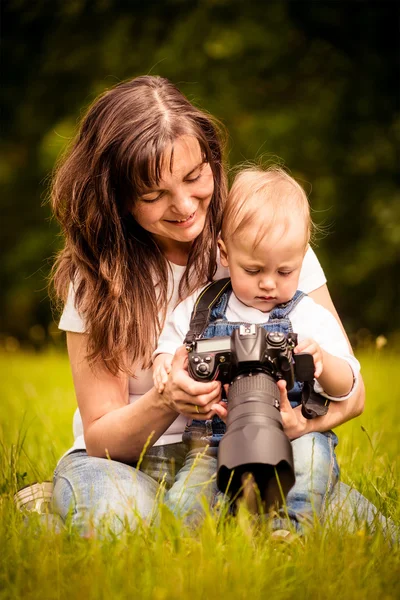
(313, 84)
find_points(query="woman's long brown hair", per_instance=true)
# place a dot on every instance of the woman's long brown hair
(112, 261)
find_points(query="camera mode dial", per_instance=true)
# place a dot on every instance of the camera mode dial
(275, 338)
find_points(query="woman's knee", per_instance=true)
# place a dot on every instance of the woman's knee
(93, 491)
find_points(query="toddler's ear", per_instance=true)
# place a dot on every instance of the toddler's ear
(223, 253)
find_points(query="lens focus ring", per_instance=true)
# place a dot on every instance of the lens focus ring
(255, 383)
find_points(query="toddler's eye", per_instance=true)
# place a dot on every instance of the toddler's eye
(284, 273)
(251, 272)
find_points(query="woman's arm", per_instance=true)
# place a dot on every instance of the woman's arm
(354, 405)
(322, 296)
(116, 428)
(112, 425)
(295, 425)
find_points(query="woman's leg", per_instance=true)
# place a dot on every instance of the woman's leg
(351, 511)
(98, 492)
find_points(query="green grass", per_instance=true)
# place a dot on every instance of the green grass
(232, 559)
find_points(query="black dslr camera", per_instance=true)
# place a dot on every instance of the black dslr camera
(251, 360)
(250, 347)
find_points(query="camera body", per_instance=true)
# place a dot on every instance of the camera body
(252, 360)
(249, 349)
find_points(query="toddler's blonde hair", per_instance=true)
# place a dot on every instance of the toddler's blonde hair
(268, 197)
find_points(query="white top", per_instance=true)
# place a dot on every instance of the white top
(309, 320)
(311, 278)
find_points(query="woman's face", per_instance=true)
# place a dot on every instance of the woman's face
(175, 211)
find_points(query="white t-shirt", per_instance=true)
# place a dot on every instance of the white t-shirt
(311, 278)
(309, 320)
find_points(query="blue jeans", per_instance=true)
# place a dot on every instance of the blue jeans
(316, 471)
(93, 491)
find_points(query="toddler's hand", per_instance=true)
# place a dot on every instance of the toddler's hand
(161, 370)
(311, 347)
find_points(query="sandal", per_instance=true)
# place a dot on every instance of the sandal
(35, 497)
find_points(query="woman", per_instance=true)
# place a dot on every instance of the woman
(139, 198)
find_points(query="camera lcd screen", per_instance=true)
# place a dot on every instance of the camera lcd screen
(213, 345)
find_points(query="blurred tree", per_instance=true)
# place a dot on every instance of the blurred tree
(313, 83)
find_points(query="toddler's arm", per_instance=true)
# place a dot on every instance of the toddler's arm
(161, 370)
(334, 374)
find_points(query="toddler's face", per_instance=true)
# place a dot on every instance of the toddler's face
(269, 274)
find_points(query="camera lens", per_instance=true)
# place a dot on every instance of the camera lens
(254, 441)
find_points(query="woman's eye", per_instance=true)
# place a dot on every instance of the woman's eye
(193, 179)
(151, 200)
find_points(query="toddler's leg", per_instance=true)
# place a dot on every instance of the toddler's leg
(195, 486)
(317, 472)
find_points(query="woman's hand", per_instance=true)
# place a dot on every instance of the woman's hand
(185, 395)
(294, 424)
(220, 408)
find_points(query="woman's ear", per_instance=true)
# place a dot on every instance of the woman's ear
(223, 253)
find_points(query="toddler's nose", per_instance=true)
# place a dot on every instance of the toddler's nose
(267, 283)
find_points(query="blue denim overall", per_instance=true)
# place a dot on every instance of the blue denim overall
(315, 463)
(210, 432)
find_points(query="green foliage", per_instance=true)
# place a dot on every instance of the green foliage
(313, 83)
(234, 558)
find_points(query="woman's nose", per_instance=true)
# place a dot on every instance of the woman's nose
(183, 204)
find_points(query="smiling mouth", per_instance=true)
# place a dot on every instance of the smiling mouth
(181, 220)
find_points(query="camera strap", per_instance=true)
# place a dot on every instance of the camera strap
(202, 309)
(313, 404)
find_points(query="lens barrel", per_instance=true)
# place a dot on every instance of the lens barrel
(254, 441)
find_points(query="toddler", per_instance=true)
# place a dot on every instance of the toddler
(265, 234)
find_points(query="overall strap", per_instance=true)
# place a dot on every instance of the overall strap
(203, 307)
(281, 311)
